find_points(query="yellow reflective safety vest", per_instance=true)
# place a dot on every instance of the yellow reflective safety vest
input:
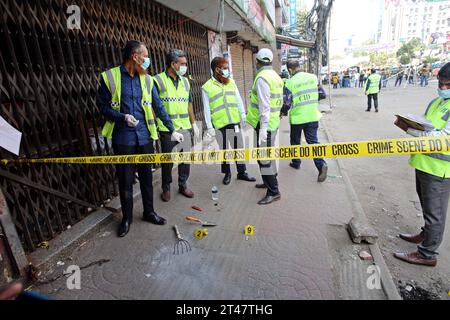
(222, 103)
(174, 100)
(276, 99)
(112, 79)
(436, 164)
(374, 86)
(305, 98)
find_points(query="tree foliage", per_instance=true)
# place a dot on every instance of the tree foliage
(407, 51)
(378, 58)
(302, 16)
(358, 54)
(382, 58)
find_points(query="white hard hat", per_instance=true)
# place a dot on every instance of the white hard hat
(264, 55)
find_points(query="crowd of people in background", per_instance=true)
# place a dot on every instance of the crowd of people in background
(355, 77)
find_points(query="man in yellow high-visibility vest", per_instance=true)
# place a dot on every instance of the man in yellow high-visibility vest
(264, 116)
(432, 178)
(372, 89)
(128, 99)
(175, 93)
(301, 100)
(224, 111)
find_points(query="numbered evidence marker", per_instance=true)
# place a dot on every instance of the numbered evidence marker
(249, 231)
(200, 233)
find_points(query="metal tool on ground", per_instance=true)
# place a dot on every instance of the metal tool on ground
(203, 223)
(181, 244)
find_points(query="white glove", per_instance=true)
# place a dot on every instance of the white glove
(131, 121)
(196, 131)
(211, 132)
(262, 136)
(178, 137)
(243, 121)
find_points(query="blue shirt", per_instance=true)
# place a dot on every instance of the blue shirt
(130, 103)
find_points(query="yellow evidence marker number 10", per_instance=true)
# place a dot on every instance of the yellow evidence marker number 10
(249, 230)
(200, 233)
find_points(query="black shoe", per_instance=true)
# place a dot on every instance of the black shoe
(376, 110)
(322, 173)
(154, 218)
(244, 176)
(367, 110)
(123, 228)
(292, 165)
(227, 179)
(260, 186)
(269, 199)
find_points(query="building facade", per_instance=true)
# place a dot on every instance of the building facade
(404, 20)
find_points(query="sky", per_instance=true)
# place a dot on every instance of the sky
(356, 19)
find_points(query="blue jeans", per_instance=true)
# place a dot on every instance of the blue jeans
(423, 81)
(310, 130)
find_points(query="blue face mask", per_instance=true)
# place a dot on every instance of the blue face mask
(444, 94)
(146, 63)
(226, 73)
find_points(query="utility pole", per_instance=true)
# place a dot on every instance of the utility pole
(316, 24)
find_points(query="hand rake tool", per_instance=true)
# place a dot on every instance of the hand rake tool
(181, 244)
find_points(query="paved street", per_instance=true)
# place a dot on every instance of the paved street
(386, 185)
(300, 249)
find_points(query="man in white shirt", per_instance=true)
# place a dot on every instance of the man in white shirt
(224, 111)
(264, 116)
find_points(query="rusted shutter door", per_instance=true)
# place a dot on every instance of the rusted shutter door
(49, 80)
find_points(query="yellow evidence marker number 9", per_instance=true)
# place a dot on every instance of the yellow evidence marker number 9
(249, 230)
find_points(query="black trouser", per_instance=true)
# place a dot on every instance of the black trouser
(398, 81)
(310, 130)
(125, 173)
(361, 83)
(227, 136)
(371, 96)
(268, 168)
(167, 146)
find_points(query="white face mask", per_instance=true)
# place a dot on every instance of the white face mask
(182, 71)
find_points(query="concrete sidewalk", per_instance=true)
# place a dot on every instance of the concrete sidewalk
(300, 250)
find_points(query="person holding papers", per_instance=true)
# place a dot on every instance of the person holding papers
(432, 178)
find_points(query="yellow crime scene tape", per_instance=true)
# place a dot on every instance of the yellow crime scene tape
(387, 147)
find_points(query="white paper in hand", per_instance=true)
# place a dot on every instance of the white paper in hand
(421, 120)
(10, 137)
